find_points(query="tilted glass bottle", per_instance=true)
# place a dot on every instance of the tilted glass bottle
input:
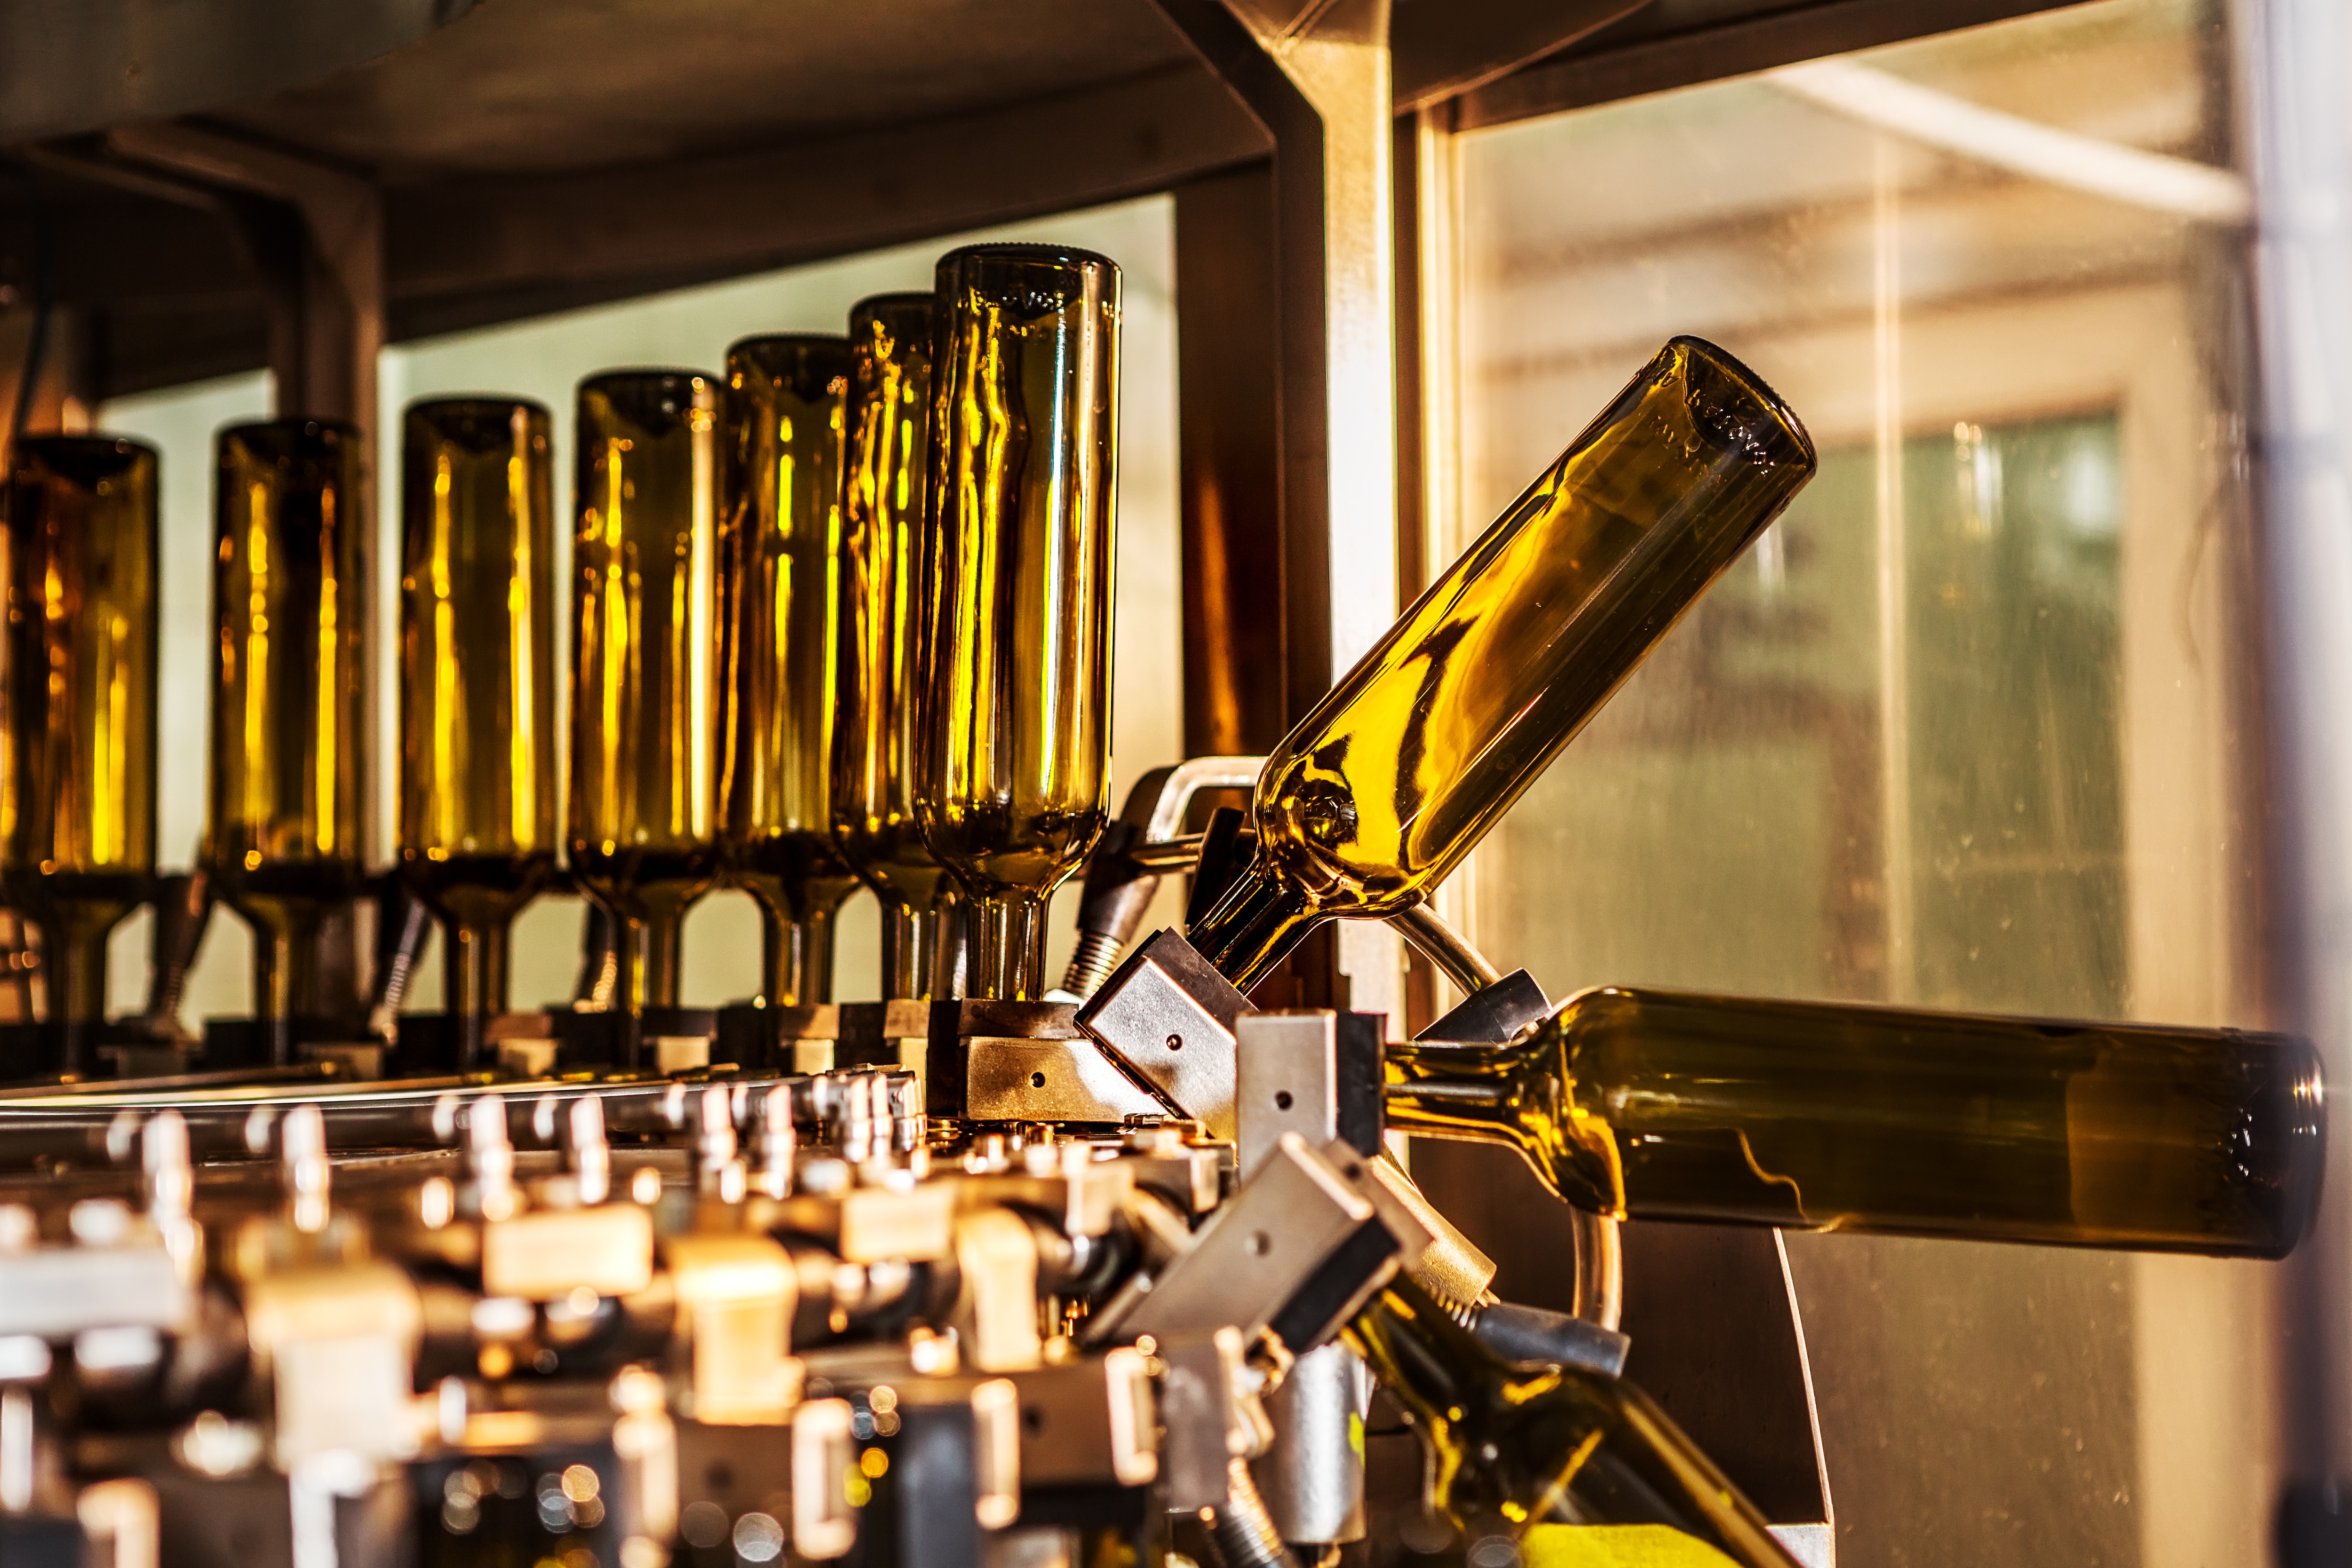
(1840, 1116)
(1382, 789)
(1016, 730)
(887, 550)
(1514, 1448)
(645, 641)
(477, 761)
(289, 601)
(77, 761)
(779, 562)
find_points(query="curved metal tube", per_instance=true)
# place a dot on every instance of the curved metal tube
(1600, 1269)
(1447, 948)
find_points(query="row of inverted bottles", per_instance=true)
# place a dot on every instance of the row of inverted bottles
(840, 616)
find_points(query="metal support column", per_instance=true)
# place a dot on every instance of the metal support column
(2296, 54)
(1315, 74)
(326, 322)
(314, 234)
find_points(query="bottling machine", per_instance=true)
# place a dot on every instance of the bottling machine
(1124, 1270)
(1126, 1266)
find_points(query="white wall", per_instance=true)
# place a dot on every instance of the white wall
(180, 424)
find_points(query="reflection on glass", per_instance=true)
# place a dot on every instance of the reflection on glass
(779, 565)
(885, 554)
(643, 638)
(77, 761)
(2014, 750)
(476, 684)
(1025, 444)
(1515, 1448)
(290, 602)
(1835, 1116)
(1382, 789)
(1969, 728)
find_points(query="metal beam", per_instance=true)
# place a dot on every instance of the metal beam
(70, 66)
(2296, 54)
(720, 216)
(315, 237)
(1647, 52)
(327, 323)
(1315, 74)
(1444, 47)
(1228, 371)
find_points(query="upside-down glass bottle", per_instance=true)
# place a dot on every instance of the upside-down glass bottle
(1016, 736)
(778, 565)
(77, 762)
(477, 761)
(1838, 1116)
(887, 550)
(645, 646)
(289, 601)
(1382, 789)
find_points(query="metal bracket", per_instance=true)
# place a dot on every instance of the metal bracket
(1293, 1253)
(1492, 1016)
(1169, 1017)
(1315, 74)
(1049, 1080)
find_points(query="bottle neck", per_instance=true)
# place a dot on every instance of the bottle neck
(1519, 1095)
(910, 947)
(1454, 1092)
(1430, 1362)
(650, 955)
(1514, 1447)
(1463, 1395)
(1007, 933)
(1259, 920)
(796, 956)
(474, 983)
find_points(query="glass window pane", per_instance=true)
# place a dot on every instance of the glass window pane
(1963, 728)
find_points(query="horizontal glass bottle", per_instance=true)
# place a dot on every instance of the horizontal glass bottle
(1837, 1116)
(1390, 782)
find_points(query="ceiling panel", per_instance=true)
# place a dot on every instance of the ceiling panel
(545, 86)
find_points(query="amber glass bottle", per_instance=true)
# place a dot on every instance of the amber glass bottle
(1513, 1449)
(1025, 443)
(1381, 791)
(77, 760)
(1838, 1116)
(289, 601)
(644, 644)
(887, 551)
(478, 760)
(779, 568)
